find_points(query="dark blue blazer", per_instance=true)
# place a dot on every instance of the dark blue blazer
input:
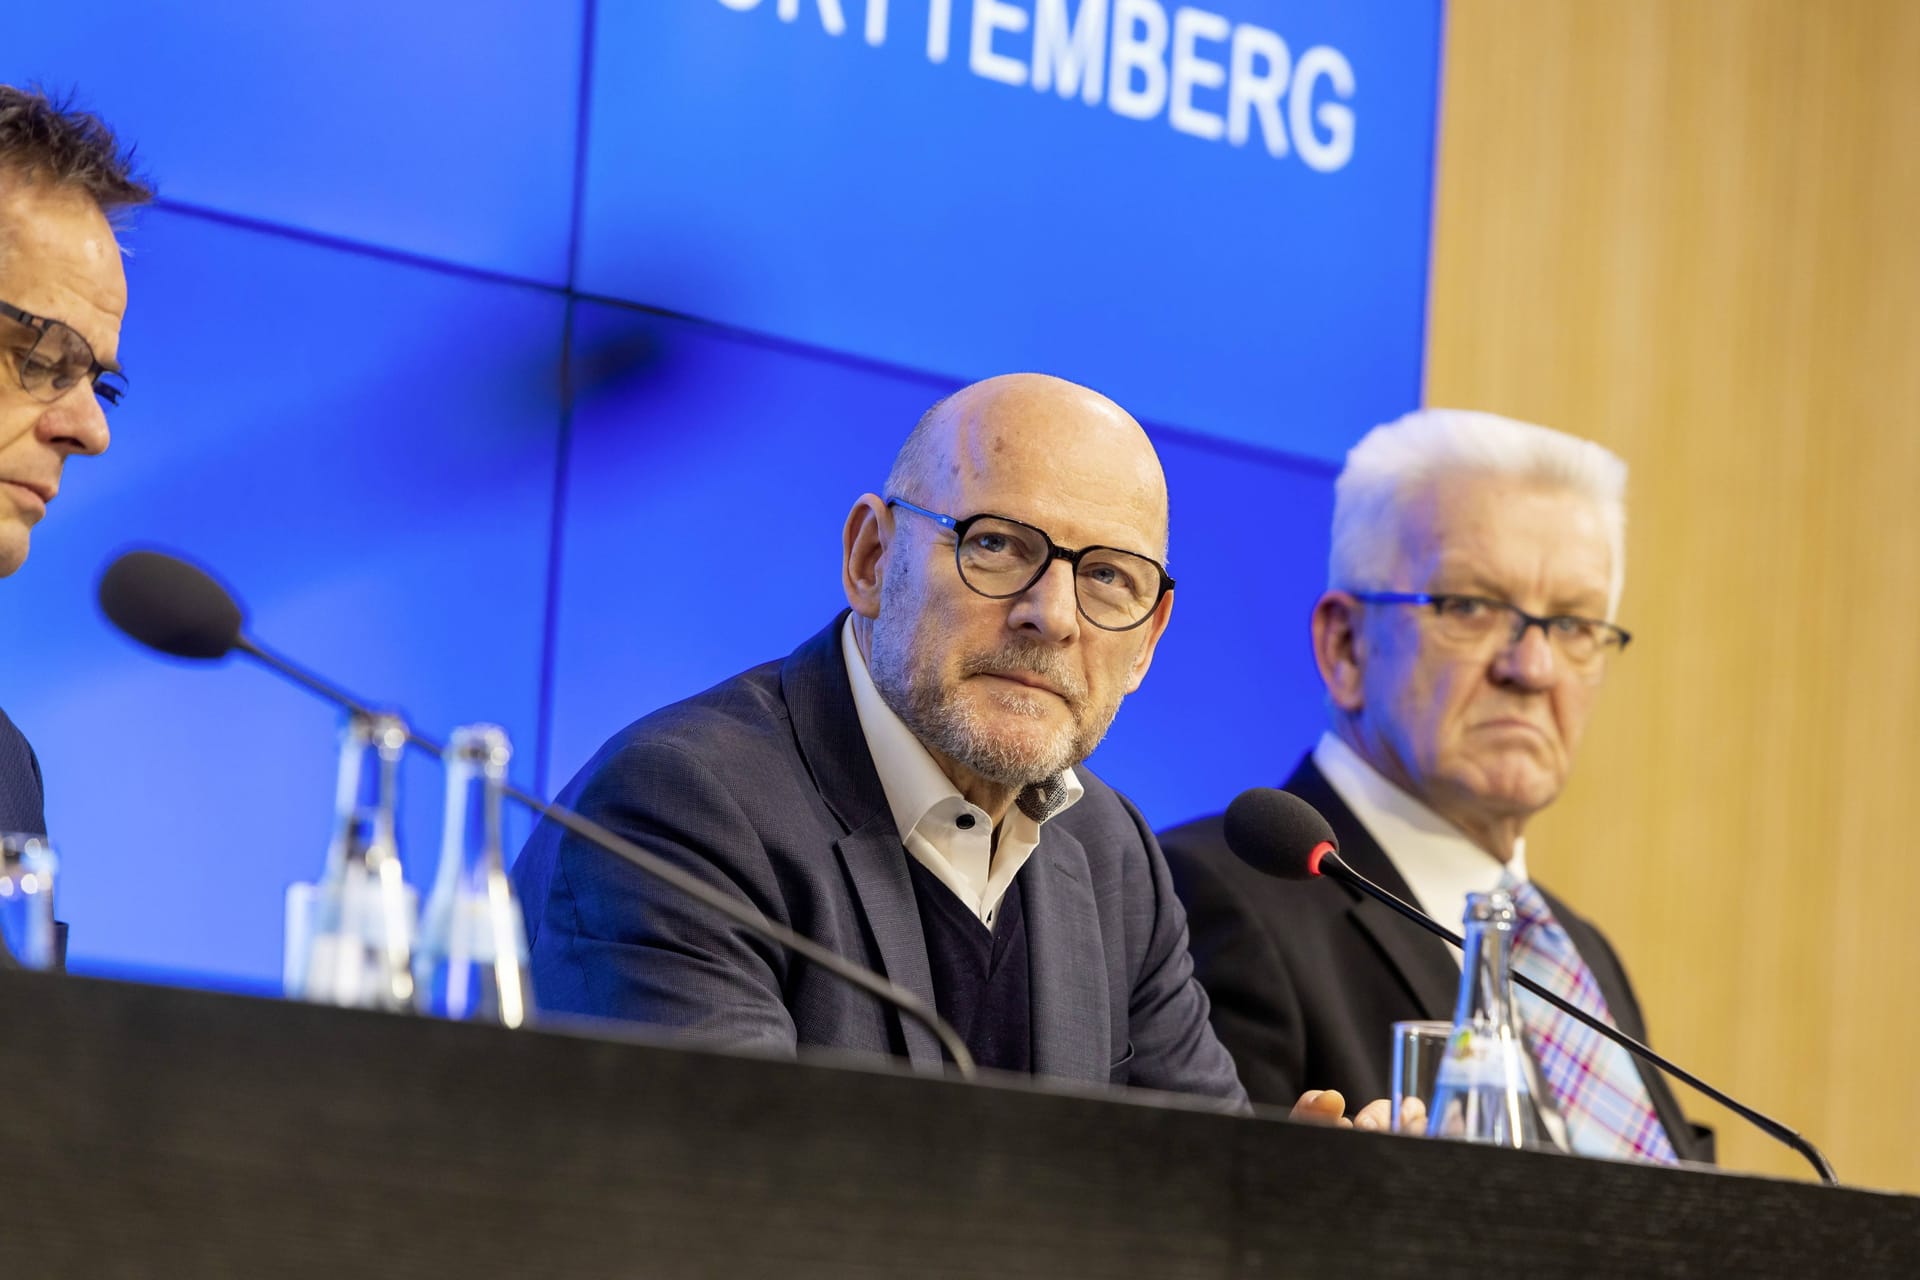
(22, 799)
(763, 786)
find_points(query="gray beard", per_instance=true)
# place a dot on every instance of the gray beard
(958, 732)
(953, 728)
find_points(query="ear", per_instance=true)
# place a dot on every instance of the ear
(863, 549)
(1155, 627)
(1337, 650)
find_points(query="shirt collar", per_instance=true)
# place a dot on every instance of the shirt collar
(1439, 862)
(914, 784)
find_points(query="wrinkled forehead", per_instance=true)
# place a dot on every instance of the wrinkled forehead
(1510, 537)
(1076, 466)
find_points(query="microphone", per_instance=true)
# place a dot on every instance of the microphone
(170, 605)
(178, 608)
(1278, 833)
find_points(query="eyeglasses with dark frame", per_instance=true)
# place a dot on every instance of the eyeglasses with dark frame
(999, 558)
(1470, 619)
(59, 359)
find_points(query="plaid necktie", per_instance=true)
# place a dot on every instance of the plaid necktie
(1594, 1081)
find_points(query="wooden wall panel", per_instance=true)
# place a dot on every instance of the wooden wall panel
(1690, 229)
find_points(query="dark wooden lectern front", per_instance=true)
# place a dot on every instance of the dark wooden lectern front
(147, 1131)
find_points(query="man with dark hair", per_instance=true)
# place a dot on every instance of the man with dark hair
(62, 296)
(907, 787)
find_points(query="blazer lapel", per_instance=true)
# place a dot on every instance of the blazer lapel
(877, 866)
(826, 731)
(1067, 965)
(1426, 966)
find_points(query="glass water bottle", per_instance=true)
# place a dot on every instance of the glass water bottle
(1489, 1089)
(471, 963)
(350, 935)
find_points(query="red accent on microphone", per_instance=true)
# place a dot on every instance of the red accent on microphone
(1320, 851)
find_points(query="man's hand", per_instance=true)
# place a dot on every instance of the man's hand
(1327, 1106)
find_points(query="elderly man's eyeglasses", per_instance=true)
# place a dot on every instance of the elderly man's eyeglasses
(1000, 558)
(57, 359)
(1477, 619)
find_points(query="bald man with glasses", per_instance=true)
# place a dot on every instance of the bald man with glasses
(1466, 629)
(907, 787)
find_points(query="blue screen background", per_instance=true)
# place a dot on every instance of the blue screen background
(478, 346)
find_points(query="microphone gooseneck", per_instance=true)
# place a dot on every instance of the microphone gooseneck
(178, 608)
(1278, 833)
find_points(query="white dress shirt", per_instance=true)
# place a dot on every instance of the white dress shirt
(1439, 863)
(947, 835)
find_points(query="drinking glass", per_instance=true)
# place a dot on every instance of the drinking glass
(1418, 1048)
(27, 868)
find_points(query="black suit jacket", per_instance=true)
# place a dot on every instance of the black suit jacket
(22, 798)
(763, 786)
(1307, 978)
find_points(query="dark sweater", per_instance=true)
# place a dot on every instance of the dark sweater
(979, 974)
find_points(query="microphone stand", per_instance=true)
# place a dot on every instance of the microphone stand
(1331, 864)
(740, 912)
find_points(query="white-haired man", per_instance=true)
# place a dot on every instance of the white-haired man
(1476, 567)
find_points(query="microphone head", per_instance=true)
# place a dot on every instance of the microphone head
(1279, 833)
(168, 604)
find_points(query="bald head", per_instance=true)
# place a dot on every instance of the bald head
(1039, 432)
(1007, 686)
